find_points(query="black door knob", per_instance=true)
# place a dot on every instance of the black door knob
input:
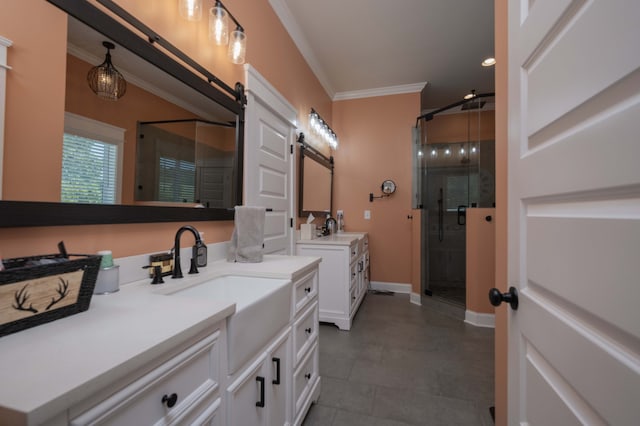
(496, 298)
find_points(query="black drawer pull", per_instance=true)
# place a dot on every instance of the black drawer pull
(277, 379)
(307, 376)
(307, 289)
(260, 380)
(170, 400)
(308, 330)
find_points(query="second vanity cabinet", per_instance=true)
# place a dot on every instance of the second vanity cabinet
(344, 274)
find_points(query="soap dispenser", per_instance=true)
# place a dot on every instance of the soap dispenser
(340, 216)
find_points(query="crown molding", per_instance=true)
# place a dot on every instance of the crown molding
(380, 91)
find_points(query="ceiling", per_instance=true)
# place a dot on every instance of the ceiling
(360, 48)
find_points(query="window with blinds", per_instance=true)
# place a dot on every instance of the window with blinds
(91, 161)
(177, 180)
(89, 171)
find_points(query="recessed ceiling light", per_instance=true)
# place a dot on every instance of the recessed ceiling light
(489, 62)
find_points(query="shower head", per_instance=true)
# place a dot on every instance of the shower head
(473, 105)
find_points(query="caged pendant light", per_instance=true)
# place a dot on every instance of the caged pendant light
(105, 80)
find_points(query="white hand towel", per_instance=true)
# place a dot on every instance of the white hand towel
(248, 235)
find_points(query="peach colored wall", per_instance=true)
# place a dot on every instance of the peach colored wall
(270, 51)
(480, 259)
(34, 100)
(375, 144)
(461, 127)
(501, 336)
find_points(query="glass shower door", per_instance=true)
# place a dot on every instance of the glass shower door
(455, 166)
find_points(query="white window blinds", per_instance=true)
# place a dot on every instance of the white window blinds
(91, 161)
(89, 170)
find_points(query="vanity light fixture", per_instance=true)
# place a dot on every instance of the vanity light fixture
(322, 129)
(218, 25)
(105, 80)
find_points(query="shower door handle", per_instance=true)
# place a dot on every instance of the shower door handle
(462, 215)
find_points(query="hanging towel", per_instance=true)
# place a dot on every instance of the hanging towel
(248, 235)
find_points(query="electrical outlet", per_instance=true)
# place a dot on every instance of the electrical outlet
(367, 214)
(339, 212)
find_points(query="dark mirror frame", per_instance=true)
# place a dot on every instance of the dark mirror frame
(307, 151)
(33, 213)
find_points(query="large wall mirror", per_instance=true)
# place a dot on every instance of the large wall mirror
(315, 183)
(182, 137)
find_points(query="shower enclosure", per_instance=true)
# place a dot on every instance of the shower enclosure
(454, 167)
(185, 161)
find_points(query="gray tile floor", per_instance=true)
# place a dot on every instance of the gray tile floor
(402, 364)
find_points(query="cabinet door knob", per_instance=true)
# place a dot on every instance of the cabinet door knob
(308, 330)
(260, 381)
(307, 376)
(307, 289)
(170, 400)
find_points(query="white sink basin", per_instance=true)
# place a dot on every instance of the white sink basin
(263, 307)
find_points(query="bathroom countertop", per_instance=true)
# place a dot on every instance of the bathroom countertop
(50, 367)
(342, 238)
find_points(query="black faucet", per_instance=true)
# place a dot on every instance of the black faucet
(177, 270)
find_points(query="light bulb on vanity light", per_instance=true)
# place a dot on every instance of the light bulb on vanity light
(191, 10)
(218, 25)
(237, 46)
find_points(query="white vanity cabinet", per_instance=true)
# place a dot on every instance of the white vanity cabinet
(184, 389)
(279, 383)
(151, 355)
(260, 394)
(305, 354)
(344, 274)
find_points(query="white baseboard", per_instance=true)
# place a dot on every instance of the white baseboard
(394, 287)
(480, 319)
(415, 299)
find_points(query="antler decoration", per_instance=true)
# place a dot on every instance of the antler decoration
(63, 290)
(21, 296)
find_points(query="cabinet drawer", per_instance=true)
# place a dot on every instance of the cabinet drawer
(305, 289)
(305, 377)
(353, 297)
(364, 244)
(353, 275)
(353, 252)
(191, 376)
(305, 332)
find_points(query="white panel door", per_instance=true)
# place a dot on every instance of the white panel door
(574, 212)
(269, 162)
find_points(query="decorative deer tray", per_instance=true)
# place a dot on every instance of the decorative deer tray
(39, 289)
